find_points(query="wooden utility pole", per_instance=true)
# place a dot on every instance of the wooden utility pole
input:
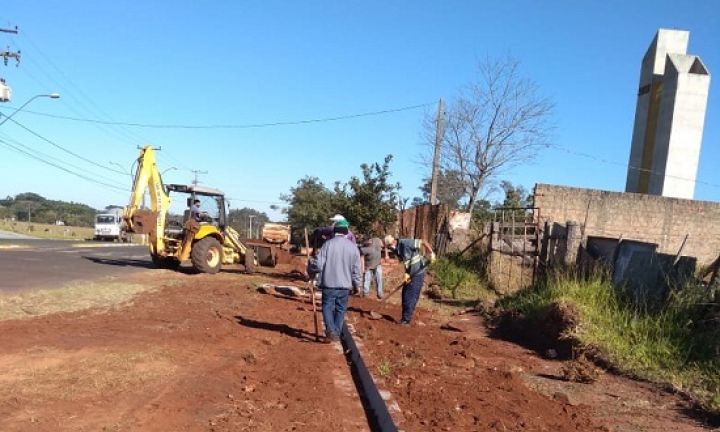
(196, 172)
(439, 125)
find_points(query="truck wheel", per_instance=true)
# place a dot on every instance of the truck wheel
(207, 255)
(249, 261)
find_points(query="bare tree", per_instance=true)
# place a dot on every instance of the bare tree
(496, 123)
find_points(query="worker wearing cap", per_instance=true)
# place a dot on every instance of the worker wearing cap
(410, 252)
(337, 218)
(338, 264)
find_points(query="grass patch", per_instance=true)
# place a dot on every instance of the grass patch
(67, 299)
(384, 368)
(46, 231)
(677, 343)
(461, 278)
(66, 375)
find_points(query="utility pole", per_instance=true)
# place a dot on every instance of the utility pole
(196, 172)
(250, 230)
(5, 91)
(439, 132)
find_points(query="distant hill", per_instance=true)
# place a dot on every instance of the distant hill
(32, 207)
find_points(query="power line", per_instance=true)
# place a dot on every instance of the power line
(628, 166)
(76, 94)
(30, 155)
(51, 142)
(255, 201)
(47, 156)
(234, 126)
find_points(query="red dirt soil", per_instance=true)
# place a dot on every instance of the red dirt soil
(209, 353)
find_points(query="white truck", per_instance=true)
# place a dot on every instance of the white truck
(110, 226)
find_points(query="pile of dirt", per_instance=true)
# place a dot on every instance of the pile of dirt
(580, 370)
(549, 332)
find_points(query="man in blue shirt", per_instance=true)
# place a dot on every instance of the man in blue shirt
(410, 252)
(338, 264)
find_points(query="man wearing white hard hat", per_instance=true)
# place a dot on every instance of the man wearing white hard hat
(337, 218)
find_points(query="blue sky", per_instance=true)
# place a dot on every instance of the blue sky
(241, 63)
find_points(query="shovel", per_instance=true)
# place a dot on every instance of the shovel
(376, 316)
(312, 288)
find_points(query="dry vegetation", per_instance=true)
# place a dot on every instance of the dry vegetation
(45, 231)
(70, 298)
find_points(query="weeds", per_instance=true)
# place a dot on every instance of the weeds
(384, 368)
(677, 342)
(460, 278)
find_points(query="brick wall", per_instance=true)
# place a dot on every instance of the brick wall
(647, 218)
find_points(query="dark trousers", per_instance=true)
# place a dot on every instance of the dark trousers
(334, 305)
(410, 295)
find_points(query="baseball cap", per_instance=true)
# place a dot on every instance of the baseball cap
(337, 217)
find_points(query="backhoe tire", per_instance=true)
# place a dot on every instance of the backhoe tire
(207, 255)
(249, 261)
(165, 263)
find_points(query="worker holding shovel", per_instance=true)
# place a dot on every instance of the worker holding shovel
(410, 252)
(338, 264)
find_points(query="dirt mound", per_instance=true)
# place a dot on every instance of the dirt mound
(580, 370)
(549, 332)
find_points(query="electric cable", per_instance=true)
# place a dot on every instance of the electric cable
(628, 166)
(53, 143)
(32, 156)
(75, 93)
(57, 160)
(235, 126)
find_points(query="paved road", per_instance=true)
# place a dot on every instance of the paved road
(29, 264)
(14, 236)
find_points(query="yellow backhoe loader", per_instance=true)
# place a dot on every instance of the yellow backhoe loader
(205, 239)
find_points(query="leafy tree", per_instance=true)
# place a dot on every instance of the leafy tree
(370, 202)
(450, 188)
(310, 205)
(5, 212)
(24, 210)
(516, 197)
(240, 220)
(482, 212)
(33, 207)
(29, 196)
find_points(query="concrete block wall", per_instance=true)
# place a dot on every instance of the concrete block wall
(649, 218)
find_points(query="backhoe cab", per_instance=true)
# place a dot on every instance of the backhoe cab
(175, 236)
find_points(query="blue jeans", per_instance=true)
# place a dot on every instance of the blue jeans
(375, 274)
(334, 305)
(410, 295)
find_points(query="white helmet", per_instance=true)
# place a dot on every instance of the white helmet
(337, 218)
(389, 240)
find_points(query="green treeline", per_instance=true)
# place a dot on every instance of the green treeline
(32, 207)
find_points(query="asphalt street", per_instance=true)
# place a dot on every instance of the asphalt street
(31, 264)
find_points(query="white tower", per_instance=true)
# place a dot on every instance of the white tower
(669, 118)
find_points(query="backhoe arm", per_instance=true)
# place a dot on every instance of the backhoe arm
(151, 223)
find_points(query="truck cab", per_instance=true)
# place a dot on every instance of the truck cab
(109, 226)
